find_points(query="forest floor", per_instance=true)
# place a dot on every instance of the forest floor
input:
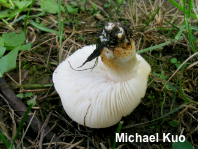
(161, 36)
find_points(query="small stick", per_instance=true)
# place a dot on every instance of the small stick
(16, 103)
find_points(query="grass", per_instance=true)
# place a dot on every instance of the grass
(162, 31)
(118, 131)
(11, 145)
(26, 18)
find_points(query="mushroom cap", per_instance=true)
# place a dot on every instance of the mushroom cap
(91, 98)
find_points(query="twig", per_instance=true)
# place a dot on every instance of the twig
(16, 103)
(42, 130)
(51, 142)
(75, 144)
(11, 78)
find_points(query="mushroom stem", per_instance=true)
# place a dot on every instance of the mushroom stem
(120, 62)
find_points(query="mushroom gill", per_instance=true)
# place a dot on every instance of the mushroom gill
(113, 89)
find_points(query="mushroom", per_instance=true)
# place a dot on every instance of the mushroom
(113, 89)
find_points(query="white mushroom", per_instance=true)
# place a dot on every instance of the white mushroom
(113, 89)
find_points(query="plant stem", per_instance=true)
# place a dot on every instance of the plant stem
(25, 22)
(35, 85)
(60, 25)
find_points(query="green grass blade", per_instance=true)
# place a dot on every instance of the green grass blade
(22, 122)
(187, 23)
(181, 8)
(16, 12)
(18, 19)
(10, 26)
(60, 27)
(171, 29)
(115, 5)
(180, 87)
(114, 12)
(43, 28)
(11, 2)
(179, 33)
(194, 28)
(118, 131)
(6, 4)
(135, 125)
(191, 42)
(25, 22)
(189, 8)
(26, 131)
(38, 15)
(152, 17)
(174, 26)
(59, 17)
(177, 37)
(4, 14)
(4, 140)
(195, 11)
(158, 46)
(35, 85)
